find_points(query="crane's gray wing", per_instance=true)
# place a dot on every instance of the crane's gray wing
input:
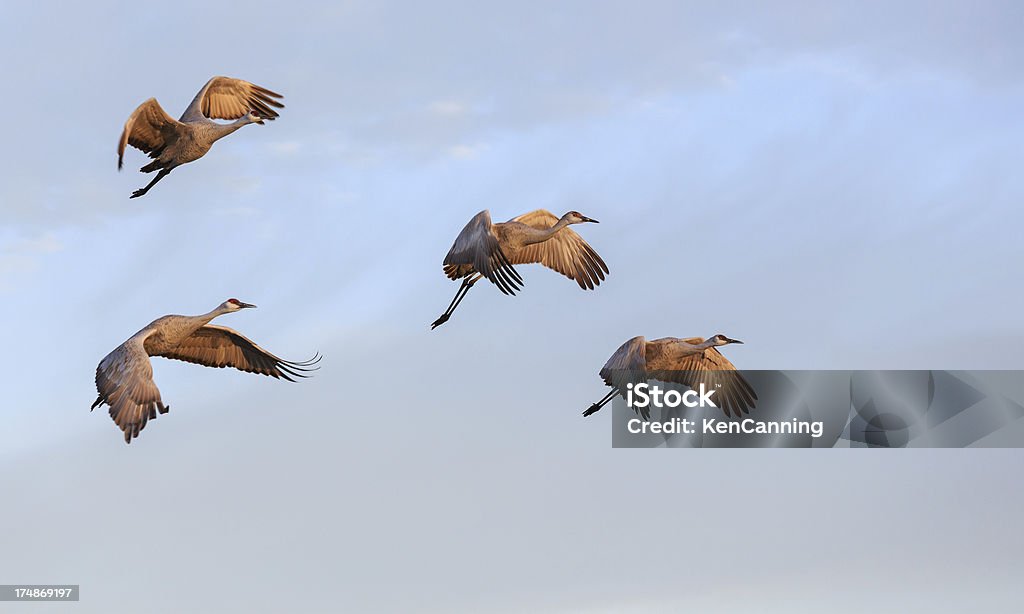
(124, 380)
(627, 366)
(476, 245)
(148, 128)
(733, 394)
(227, 98)
(220, 346)
(566, 252)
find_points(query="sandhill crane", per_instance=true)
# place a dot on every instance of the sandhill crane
(489, 250)
(691, 362)
(124, 378)
(173, 143)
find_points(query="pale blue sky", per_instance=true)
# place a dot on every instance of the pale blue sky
(838, 186)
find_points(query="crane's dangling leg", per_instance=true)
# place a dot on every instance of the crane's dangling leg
(596, 406)
(163, 173)
(467, 283)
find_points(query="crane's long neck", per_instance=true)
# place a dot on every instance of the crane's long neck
(179, 328)
(204, 319)
(220, 131)
(707, 343)
(536, 235)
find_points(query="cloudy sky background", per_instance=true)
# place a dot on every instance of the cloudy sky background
(838, 186)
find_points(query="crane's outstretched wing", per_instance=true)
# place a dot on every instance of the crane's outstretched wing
(476, 245)
(627, 366)
(566, 252)
(148, 128)
(124, 380)
(220, 346)
(733, 394)
(227, 98)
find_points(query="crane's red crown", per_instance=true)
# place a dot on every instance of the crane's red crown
(235, 301)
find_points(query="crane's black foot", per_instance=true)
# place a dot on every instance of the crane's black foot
(138, 193)
(592, 409)
(438, 322)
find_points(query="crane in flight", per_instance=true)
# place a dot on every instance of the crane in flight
(124, 378)
(691, 362)
(488, 250)
(173, 143)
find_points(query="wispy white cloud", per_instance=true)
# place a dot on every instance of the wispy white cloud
(463, 151)
(20, 256)
(44, 243)
(238, 210)
(447, 107)
(285, 148)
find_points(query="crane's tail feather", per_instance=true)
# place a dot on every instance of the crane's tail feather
(132, 419)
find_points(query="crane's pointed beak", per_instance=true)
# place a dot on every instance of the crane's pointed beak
(242, 305)
(587, 219)
(735, 341)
